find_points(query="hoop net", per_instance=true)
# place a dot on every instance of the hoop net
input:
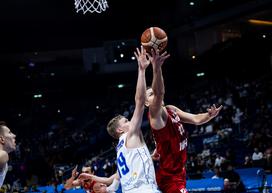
(91, 6)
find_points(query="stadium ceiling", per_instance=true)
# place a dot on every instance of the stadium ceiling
(53, 24)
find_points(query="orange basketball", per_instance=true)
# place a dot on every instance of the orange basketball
(154, 37)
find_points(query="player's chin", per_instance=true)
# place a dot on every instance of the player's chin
(14, 147)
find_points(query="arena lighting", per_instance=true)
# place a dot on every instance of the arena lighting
(120, 85)
(37, 96)
(31, 64)
(200, 74)
(259, 22)
(192, 3)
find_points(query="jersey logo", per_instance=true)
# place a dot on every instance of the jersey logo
(183, 145)
(175, 118)
(181, 130)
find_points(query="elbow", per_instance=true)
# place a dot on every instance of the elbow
(197, 121)
(66, 187)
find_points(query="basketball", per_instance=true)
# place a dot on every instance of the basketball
(154, 37)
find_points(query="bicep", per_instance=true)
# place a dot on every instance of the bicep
(137, 117)
(184, 116)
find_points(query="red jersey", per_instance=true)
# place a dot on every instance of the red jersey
(88, 186)
(171, 144)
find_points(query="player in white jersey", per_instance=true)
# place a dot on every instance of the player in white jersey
(135, 167)
(7, 145)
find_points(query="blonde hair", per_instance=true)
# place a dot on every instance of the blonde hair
(113, 125)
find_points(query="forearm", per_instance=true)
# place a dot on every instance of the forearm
(114, 186)
(141, 87)
(103, 180)
(158, 82)
(69, 183)
(202, 118)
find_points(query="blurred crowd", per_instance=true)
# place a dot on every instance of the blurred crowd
(240, 137)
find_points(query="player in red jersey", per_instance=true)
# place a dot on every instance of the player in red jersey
(169, 134)
(87, 185)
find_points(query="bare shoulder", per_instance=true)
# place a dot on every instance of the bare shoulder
(3, 158)
(172, 107)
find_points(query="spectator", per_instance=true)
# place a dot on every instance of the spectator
(257, 155)
(257, 158)
(268, 160)
(74, 182)
(232, 181)
(248, 162)
(217, 173)
(219, 160)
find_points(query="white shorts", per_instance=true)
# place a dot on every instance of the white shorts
(143, 189)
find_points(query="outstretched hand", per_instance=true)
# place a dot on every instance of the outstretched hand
(142, 57)
(158, 59)
(213, 111)
(75, 172)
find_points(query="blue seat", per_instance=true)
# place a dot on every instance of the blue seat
(214, 185)
(250, 178)
(269, 182)
(208, 174)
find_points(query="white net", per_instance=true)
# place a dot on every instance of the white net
(91, 6)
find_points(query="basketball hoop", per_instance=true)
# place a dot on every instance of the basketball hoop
(91, 6)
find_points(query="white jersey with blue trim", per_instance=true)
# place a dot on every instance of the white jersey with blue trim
(3, 174)
(136, 168)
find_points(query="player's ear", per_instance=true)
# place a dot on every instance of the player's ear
(146, 103)
(2, 139)
(119, 130)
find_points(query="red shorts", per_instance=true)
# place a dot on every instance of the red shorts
(172, 183)
(172, 188)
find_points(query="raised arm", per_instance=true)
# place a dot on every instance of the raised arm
(114, 186)
(197, 119)
(103, 180)
(157, 83)
(140, 95)
(71, 182)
